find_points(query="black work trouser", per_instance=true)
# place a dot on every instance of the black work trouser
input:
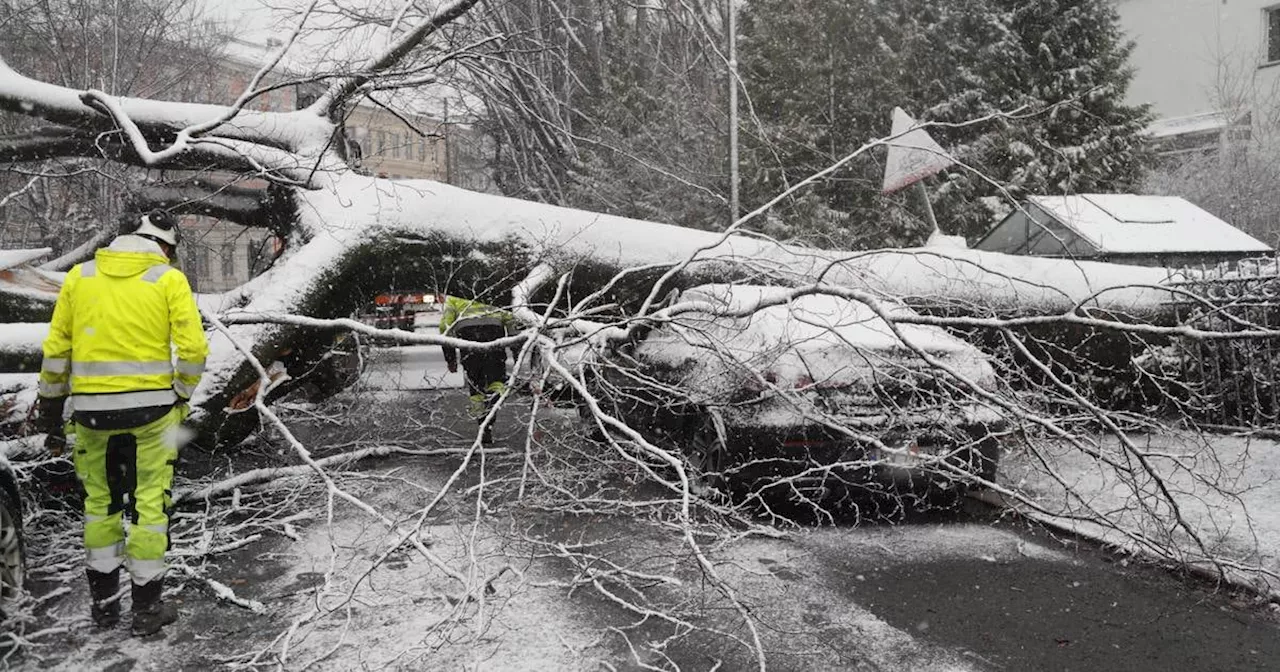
(485, 370)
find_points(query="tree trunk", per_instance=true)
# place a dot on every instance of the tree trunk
(362, 235)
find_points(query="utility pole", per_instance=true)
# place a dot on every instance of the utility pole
(448, 153)
(733, 112)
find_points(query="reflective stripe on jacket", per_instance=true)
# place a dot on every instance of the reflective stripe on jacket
(116, 324)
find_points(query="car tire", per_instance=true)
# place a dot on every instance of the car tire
(594, 432)
(710, 457)
(12, 543)
(947, 492)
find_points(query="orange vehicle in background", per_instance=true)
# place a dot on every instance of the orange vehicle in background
(398, 310)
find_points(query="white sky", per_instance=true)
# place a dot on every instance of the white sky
(250, 18)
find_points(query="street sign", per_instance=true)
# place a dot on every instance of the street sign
(913, 155)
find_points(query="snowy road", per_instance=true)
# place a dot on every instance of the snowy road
(969, 594)
(416, 367)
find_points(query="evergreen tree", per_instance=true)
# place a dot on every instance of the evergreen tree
(609, 106)
(825, 75)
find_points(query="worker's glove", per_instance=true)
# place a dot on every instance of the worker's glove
(184, 409)
(55, 443)
(453, 367)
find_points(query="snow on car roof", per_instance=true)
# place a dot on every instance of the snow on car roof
(822, 320)
(828, 340)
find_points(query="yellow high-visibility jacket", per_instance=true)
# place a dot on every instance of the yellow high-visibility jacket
(460, 312)
(115, 327)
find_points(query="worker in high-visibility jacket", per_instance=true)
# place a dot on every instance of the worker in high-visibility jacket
(116, 325)
(485, 370)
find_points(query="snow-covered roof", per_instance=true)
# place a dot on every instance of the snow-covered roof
(1195, 123)
(1128, 223)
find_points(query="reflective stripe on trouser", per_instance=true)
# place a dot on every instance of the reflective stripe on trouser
(128, 472)
(481, 403)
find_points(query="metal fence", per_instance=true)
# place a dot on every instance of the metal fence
(1232, 381)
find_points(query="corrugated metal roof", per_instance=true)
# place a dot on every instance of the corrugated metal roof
(1128, 223)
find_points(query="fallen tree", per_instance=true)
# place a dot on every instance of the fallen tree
(348, 235)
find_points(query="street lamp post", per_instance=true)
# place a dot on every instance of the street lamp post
(733, 111)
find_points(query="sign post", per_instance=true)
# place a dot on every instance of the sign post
(913, 156)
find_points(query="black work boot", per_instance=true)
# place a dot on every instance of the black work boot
(103, 586)
(150, 613)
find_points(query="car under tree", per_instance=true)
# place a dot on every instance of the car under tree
(816, 401)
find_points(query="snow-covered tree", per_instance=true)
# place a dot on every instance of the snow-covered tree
(824, 74)
(1066, 63)
(616, 107)
(166, 49)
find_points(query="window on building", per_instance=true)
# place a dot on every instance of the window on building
(228, 260)
(1272, 15)
(382, 142)
(395, 145)
(422, 150)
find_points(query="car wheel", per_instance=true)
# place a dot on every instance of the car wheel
(12, 546)
(947, 491)
(710, 456)
(594, 432)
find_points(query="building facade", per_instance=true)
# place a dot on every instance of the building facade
(395, 145)
(1209, 68)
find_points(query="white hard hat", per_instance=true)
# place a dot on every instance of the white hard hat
(160, 226)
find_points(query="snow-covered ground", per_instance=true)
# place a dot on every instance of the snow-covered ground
(414, 367)
(1226, 487)
(530, 620)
